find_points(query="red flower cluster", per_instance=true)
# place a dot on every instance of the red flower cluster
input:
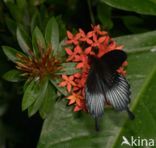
(95, 42)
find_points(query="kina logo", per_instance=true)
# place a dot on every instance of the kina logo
(125, 141)
(138, 141)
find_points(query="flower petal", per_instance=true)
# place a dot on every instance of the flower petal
(88, 50)
(68, 51)
(78, 49)
(69, 35)
(62, 84)
(77, 75)
(82, 32)
(101, 39)
(71, 78)
(79, 65)
(71, 102)
(69, 87)
(77, 108)
(64, 77)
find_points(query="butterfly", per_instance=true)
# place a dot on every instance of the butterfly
(105, 84)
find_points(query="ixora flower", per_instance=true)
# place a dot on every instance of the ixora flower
(101, 79)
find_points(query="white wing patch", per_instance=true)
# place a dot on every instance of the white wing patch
(118, 94)
(95, 103)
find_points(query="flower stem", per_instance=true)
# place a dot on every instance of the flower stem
(91, 12)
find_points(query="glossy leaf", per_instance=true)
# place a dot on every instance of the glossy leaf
(104, 15)
(11, 53)
(52, 34)
(68, 69)
(138, 42)
(38, 41)
(36, 2)
(14, 11)
(40, 94)
(66, 129)
(48, 102)
(35, 21)
(21, 4)
(30, 94)
(139, 6)
(23, 40)
(13, 76)
(61, 52)
(11, 24)
(134, 24)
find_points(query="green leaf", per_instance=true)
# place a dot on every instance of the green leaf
(26, 84)
(11, 53)
(13, 76)
(23, 40)
(30, 94)
(14, 11)
(139, 6)
(62, 27)
(21, 4)
(38, 42)
(61, 52)
(68, 69)
(36, 2)
(138, 42)
(11, 24)
(134, 24)
(48, 102)
(35, 21)
(104, 15)
(78, 130)
(41, 95)
(52, 34)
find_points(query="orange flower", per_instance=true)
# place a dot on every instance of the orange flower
(83, 63)
(121, 69)
(68, 81)
(82, 106)
(95, 42)
(72, 39)
(77, 75)
(85, 37)
(97, 29)
(80, 82)
(106, 47)
(78, 100)
(73, 54)
(75, 98)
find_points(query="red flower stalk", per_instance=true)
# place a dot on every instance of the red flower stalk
(33, 67)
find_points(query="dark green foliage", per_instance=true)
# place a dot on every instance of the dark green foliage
(33, 25)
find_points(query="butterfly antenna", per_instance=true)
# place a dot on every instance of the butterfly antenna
(130, 114)
(97, 128)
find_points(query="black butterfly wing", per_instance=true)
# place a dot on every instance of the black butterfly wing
(94, 93)
(119, 93)
(114, 59)
(105, 84)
